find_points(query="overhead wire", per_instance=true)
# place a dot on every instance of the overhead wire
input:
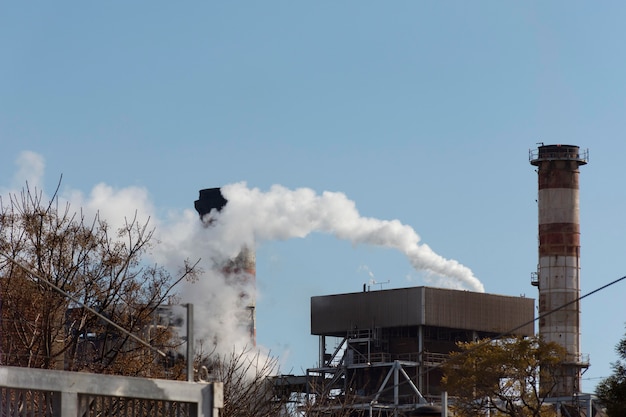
(80, 303)
(540, 316)
(511, 331)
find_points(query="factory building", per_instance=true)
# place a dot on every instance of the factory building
(380, 351)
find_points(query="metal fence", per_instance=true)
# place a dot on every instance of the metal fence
(27, 392)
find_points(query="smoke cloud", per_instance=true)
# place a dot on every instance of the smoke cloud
(251, 216)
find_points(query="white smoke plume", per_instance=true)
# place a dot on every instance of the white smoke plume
(251, 216)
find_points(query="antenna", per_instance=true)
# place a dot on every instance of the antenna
(374, 282)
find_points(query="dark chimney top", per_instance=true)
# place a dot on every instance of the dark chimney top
(210, 198)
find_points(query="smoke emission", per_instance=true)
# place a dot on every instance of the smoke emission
(251, 216)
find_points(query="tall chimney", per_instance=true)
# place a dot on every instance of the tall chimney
(239, 271)
(558, 270)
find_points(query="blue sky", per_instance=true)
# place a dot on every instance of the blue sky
(418, 111)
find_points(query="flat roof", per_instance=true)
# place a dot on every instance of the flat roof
(335, 315)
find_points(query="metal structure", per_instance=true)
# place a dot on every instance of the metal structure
(50, 393)
(578, 405)
(558, 270)
(241, 270)
(391, 343)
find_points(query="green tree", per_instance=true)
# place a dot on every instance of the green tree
(57, 268)
(503, 376)
(612, 390)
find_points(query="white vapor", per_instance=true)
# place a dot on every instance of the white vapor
(251, 216)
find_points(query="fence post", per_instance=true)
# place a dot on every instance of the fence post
(69, 405)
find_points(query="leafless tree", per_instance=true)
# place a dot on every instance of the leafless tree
(248, 389)
(65, 280)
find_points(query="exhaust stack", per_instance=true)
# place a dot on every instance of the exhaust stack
(558, 270)
(240, 271)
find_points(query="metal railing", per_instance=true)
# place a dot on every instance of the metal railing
(48, 393)
(563, 154)
(534, 279)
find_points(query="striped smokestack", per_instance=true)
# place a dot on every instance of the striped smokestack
(240, 271)
(558, 270)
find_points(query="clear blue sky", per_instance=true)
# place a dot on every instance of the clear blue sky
(418, 111)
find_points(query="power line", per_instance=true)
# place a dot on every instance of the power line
(86, 307)
(511, 331)
(539, 317)
(563, 306)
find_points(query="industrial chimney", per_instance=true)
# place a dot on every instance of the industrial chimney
(558, 270)
(240, 272)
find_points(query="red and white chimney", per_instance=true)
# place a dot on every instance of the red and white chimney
(558, 270)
